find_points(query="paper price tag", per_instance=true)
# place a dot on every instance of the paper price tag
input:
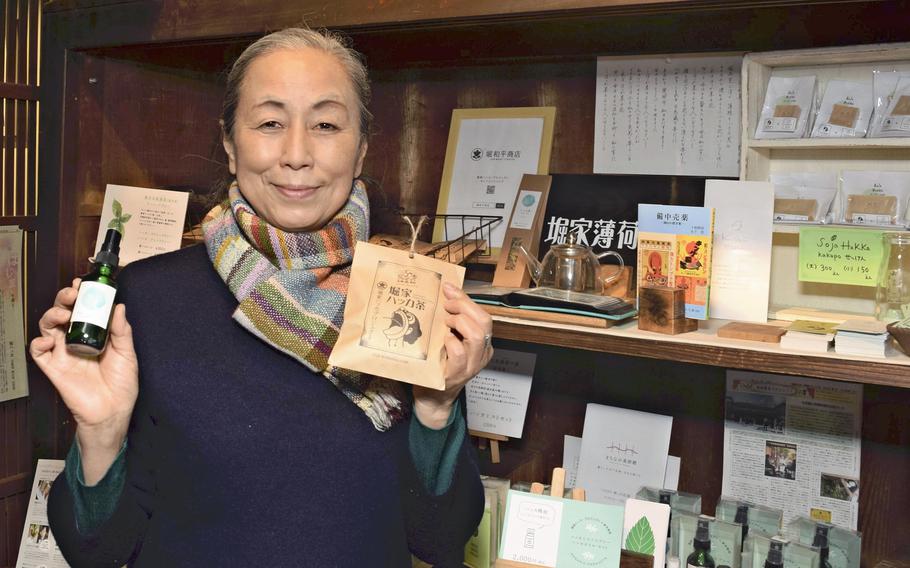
(839, 256)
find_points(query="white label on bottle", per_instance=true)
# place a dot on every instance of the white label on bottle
(780, 124)
(870, 219)
(94, 304)
(693, 566)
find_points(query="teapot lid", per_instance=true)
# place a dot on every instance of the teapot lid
(571, 248)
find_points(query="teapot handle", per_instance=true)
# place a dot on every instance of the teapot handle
(621, 265)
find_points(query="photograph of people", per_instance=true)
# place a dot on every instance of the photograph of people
(211, 431)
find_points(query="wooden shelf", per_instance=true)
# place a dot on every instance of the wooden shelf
(703, 347)
(831, 143)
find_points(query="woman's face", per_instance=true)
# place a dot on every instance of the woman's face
(296, 146)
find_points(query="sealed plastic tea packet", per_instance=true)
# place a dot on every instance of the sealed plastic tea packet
(788, 106)
(394, 320)
(845, 110)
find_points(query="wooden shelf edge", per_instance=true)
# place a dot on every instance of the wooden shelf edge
(831, 143)
(867, 372)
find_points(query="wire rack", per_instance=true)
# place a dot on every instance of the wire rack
(462, 235)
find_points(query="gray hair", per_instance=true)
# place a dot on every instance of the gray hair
(298, 38)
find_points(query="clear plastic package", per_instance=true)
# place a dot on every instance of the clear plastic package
(758, 548)
(726, 539)
(884, 83)
(804, 197)
(845, 110)
(844, 545)
(678, 500)
(875, 197)
(896, 119)
(788, 107)
(755, 518)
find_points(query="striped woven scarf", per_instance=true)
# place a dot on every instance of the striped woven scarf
(291, 289)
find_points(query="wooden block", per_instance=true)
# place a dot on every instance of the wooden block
(537, 488)
(558, 484)
(752, 331)
(662, 309)
(578, 494)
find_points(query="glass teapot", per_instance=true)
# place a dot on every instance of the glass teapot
(571, 266)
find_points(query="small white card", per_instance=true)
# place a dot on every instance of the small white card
(671, 476)
(621, 451)
(741, 262)
(571, 450)
(38, 546)
(498, 395)
(645, 526)
(151, 220)
(525, 209)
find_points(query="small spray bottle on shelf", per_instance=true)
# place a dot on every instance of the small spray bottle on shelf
(742, 517)
(820, 541)
(775, 558)
(87, 333)
(701, 556)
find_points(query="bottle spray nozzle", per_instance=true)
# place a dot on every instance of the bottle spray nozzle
(110, 249)
(702, 534)
(821, 536)
(776, 553)
(663, 496)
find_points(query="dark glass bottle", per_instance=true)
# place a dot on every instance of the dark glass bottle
(701, 556)
(742, 517)
(87, 333)
(820, 541)
(775, 558)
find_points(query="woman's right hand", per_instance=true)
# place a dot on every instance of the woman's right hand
(99, 391)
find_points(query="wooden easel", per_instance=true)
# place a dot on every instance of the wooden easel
(557, 489)
(494, 439)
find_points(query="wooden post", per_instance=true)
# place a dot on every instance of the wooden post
(494, 439)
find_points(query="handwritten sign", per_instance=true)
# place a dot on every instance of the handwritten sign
(839, 256)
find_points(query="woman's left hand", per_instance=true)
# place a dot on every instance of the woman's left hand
(468, 350)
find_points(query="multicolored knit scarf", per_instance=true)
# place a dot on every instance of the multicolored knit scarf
(292, 288)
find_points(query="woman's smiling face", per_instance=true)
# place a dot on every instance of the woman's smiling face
(296, 146)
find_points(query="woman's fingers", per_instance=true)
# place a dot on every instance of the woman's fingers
(121, 336)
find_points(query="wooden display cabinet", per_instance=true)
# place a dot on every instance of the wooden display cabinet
(132, 93)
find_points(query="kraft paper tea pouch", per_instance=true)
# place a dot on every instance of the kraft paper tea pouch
(795, 209)
(787, 107)
(845, 110)
(875, 197)
(803, 197)
(394, 319)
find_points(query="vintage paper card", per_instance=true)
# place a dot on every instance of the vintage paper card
(839, 256)
(549, 531)
(150, 220)
(488, 151)
(621, 451)
(394, 319)
(498, 396)
(741, 263)
(13, 373)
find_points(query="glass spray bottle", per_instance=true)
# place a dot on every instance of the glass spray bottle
(87, 333)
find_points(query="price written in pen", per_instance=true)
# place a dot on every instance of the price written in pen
(842, 257)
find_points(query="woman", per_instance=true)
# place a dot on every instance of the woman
(216, 419)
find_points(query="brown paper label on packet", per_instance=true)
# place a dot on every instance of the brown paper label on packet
(844, 115)
(871, 205)
(902, 107)
(394, 319)
(801, 207)
(786, 111)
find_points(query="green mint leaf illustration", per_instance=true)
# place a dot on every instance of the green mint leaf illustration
(641, 537)
(119, 219)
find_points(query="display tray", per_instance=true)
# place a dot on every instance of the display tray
(705, 348)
